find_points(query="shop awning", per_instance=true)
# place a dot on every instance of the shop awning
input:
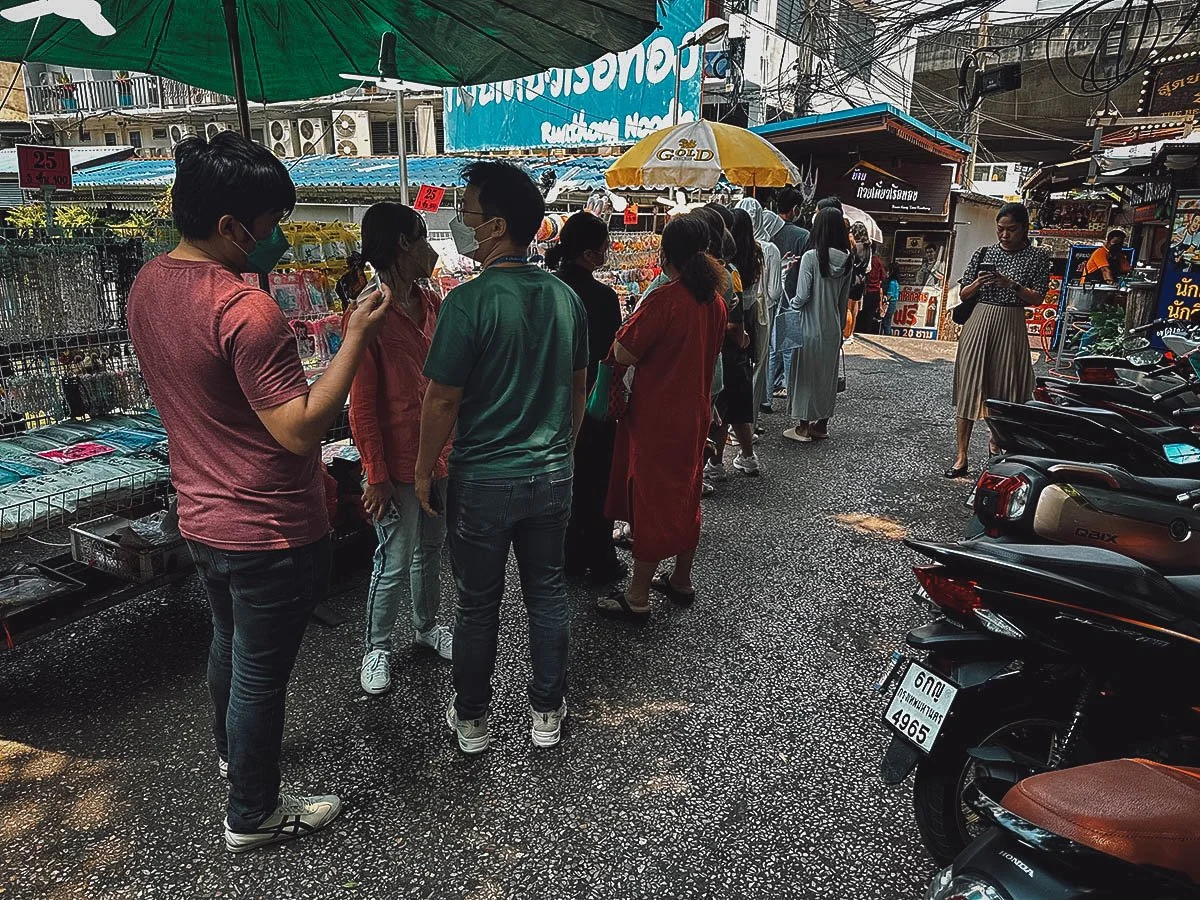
(81, 157)
(1120, 160)
(881, 130)
(572, 174)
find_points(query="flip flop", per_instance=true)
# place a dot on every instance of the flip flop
(624, 612)
(662, 585)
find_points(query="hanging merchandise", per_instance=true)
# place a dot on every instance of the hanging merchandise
(632, 265)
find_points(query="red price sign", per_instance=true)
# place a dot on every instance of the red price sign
(631, 214)
(44, 167)
(429, 198)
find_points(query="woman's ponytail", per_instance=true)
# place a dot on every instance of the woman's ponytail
(685, 244)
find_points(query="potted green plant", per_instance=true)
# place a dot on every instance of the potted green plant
(124, 82)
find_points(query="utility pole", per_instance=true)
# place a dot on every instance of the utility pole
(974, 115)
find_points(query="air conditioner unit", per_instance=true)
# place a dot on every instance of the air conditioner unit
(281, 139)
(178, 133)
(351, 132)
(314, 135)
(212, 129)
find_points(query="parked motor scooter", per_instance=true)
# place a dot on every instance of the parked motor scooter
(1038, 657)
(1028, 499)
(1113, 830)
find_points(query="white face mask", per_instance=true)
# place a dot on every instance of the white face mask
(465, 240)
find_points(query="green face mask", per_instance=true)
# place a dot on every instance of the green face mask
(266, 253)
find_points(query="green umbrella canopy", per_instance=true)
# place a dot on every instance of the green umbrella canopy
(296, 49)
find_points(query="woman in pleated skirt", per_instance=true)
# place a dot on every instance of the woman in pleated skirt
(993, 361)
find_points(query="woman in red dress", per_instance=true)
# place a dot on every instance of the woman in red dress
(672, 341)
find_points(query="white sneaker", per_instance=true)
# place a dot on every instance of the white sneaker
(715, 472)
(748, 465)
(439, 639)
(707, 490)
(473, 735)
(295, 817)
(796, 434)
(547, 726)
(375, 676)
(223, 764)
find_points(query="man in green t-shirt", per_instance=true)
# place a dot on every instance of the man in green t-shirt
(508, 366)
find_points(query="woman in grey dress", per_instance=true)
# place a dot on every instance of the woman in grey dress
(822, 297)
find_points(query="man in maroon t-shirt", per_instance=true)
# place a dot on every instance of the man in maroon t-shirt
(245, 433)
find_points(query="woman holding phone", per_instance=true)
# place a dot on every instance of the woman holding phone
(993, 360)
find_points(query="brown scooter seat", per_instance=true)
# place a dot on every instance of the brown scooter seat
(1136, 810)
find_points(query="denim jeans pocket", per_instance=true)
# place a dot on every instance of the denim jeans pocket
(561, 485)
(482, 506)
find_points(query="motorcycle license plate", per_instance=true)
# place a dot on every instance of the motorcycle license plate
(920, 706)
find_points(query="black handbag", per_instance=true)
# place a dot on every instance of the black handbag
(963, 311)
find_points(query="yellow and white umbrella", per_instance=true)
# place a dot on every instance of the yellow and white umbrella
(697, 154)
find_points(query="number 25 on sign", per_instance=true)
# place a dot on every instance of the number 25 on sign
(39, 168)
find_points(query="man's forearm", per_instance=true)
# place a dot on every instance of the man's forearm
(437, 422)
(328, 396)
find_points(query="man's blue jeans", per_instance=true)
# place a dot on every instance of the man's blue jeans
(261, 602)
(486, 518)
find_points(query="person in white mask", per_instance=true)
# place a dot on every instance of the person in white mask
(508, 368)
(770, 292)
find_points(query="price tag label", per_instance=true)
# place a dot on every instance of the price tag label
(44, 167)
(429, 198)
(631, 214)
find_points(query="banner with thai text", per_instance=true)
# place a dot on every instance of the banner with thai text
(920, 259)
(619, 99)
(1179, 297)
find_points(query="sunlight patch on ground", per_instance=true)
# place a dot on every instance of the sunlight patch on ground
(871, 525)
(611, 713)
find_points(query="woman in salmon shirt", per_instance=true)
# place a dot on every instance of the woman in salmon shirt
(385, 418)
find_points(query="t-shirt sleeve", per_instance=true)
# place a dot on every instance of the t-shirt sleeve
(452, 353)
(255, 338)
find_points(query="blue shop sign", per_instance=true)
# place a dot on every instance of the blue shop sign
(1179, 297)
(618, 99)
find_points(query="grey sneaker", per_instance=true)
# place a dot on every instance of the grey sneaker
(294, 817)
(748, 465)
(715, 472)
(375, 676)
(439, 639)
(473, 735)
(223, 767)
(547, 726)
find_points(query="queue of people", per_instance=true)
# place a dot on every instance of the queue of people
(468, 413)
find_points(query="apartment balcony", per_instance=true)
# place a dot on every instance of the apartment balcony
(137, 92)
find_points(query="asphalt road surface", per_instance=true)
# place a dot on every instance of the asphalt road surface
(725, 751)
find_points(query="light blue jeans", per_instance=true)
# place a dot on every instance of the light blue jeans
(409, 552)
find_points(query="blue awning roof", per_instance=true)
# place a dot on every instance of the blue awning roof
(575, 173)
(850, 116)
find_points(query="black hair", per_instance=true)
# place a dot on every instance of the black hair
(724, 212)
(828, 233)
(829, 203)
(1015, 211)
(227, 176)
(1115, 232)
(789, 198)
(507, 192)
(382, 227)
(685, 243)
(715, 223)
(581, 233)
(748, 256)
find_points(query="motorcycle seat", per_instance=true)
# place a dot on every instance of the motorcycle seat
(1139, 811)
(1188, 586)
(1105, 569)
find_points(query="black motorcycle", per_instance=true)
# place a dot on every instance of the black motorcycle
(1108, 831)
(1039, 657)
